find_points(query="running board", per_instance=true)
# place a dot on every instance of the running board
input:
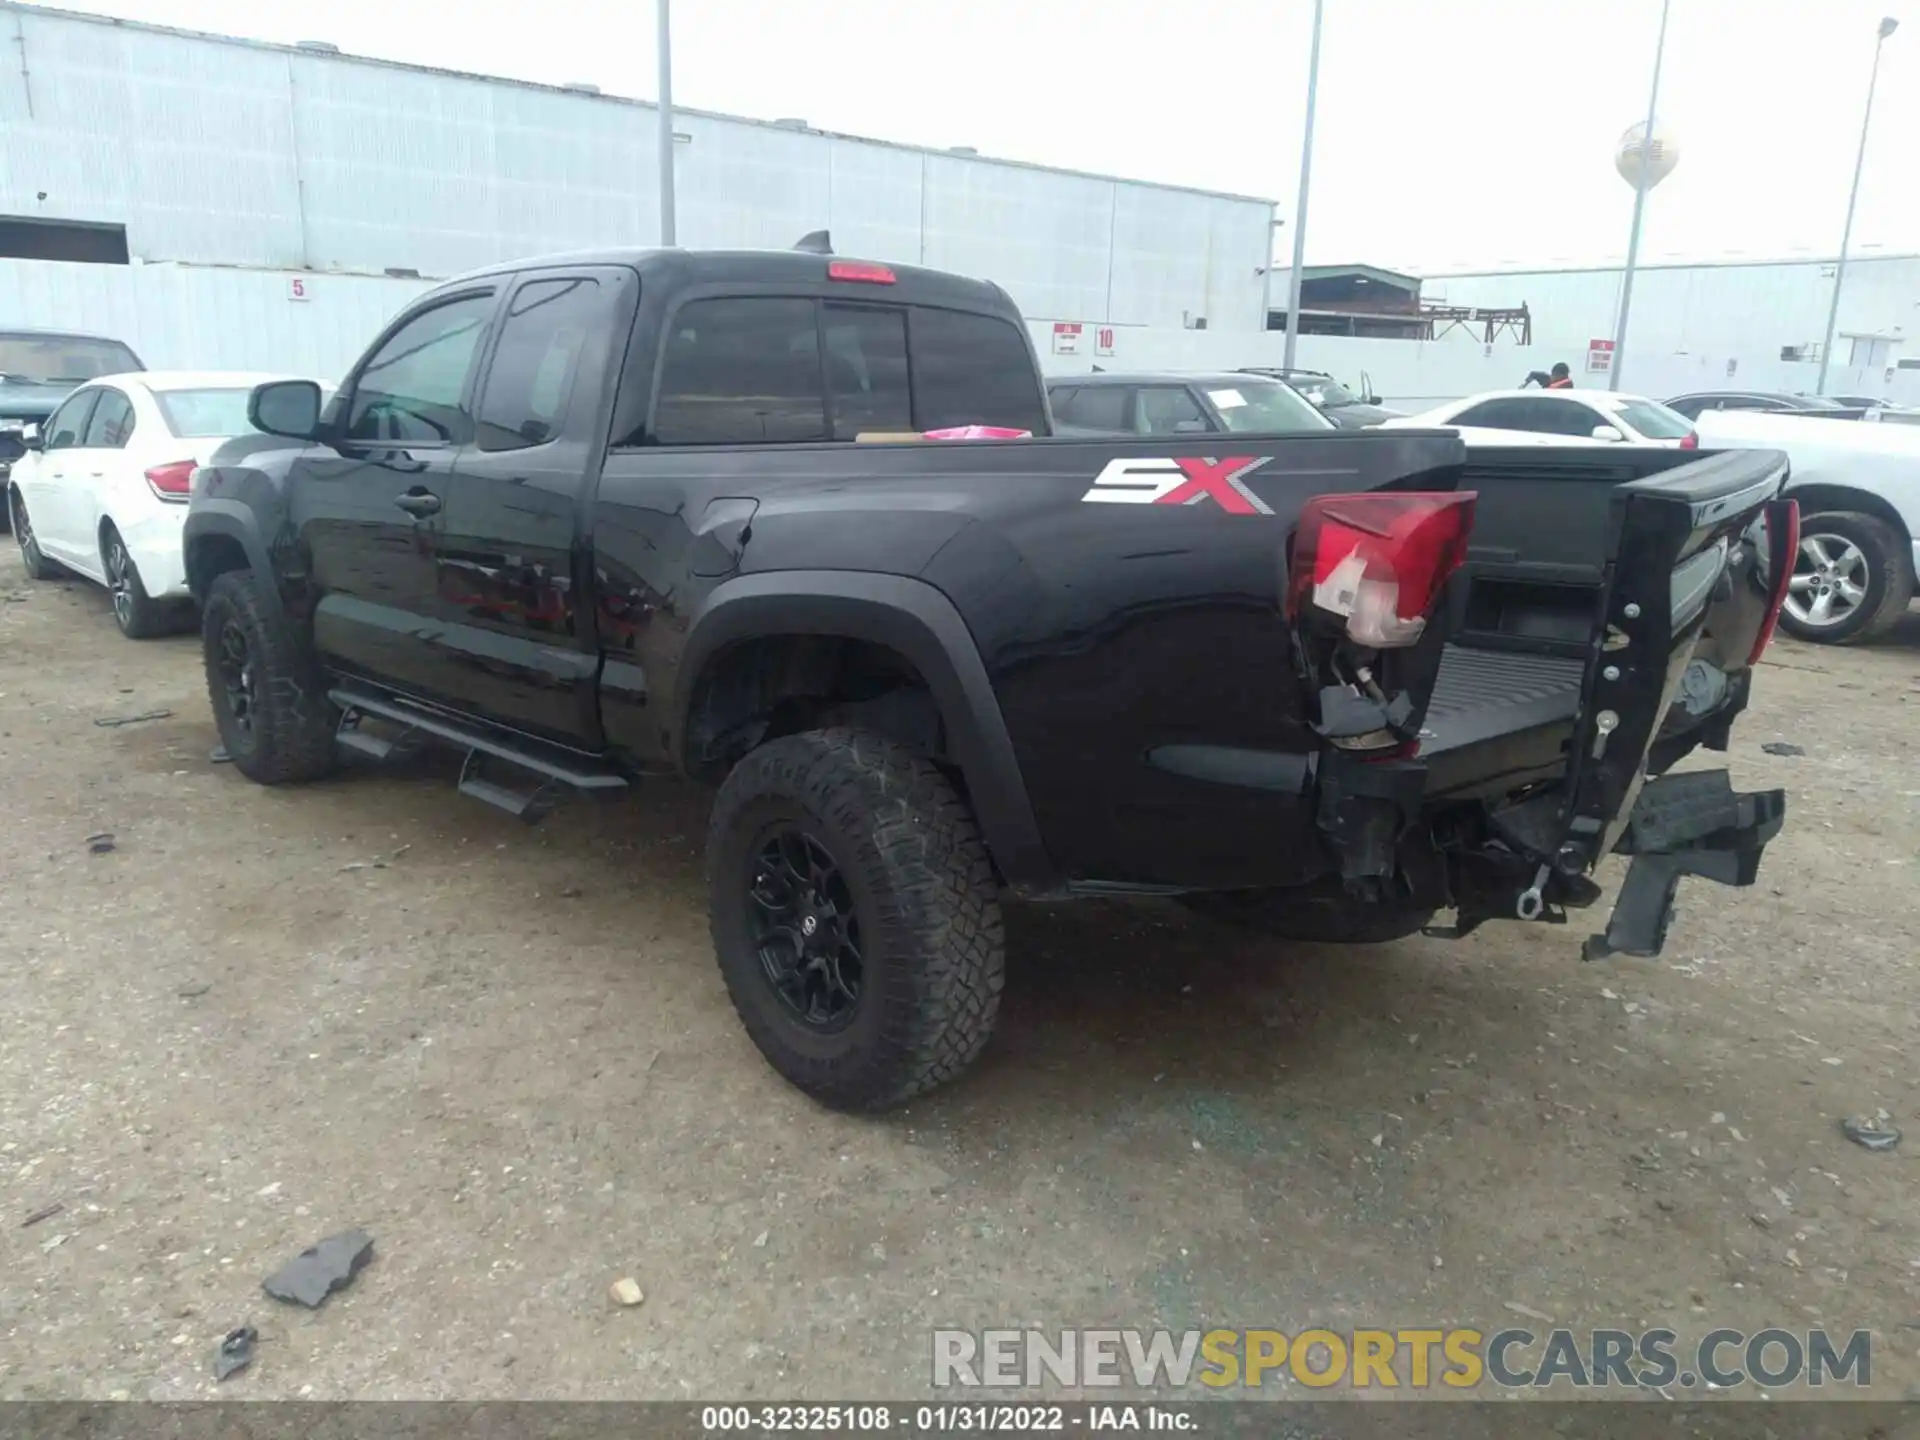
(557, 770)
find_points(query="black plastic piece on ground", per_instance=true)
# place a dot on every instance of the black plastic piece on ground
(316, 1272)
(235, 1352)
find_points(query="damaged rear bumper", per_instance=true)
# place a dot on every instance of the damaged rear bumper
(1688, 824)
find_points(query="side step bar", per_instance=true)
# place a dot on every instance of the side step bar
(557, 770)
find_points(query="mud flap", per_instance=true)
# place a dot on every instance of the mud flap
(1689, 824)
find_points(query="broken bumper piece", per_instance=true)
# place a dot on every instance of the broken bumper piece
(1689, 824)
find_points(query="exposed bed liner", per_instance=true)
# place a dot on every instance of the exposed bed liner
(1486, 695)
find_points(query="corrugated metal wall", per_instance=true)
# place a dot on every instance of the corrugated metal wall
(1753, 309)
(229, 153)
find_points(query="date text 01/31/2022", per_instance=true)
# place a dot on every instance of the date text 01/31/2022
(941, 1419)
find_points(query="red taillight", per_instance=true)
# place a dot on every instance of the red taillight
(1690, 440)
(863, 271)
(1783, 557)
(173, 481)
(1379, 560)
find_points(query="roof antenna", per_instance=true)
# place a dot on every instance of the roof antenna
(816, 242)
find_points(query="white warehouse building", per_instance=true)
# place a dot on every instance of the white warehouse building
(220, 202)
(1762, 314)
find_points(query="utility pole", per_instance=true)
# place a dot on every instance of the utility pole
(1300, 207)
(666, 123)
(1641, 186)
(1887, 27)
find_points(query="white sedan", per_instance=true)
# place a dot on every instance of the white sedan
(1557, 417)
(103, 488)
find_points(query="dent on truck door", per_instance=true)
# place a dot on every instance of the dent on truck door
(368, 509)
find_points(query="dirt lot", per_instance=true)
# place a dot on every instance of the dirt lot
(266, 1016)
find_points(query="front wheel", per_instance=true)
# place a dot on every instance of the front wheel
(266, 687)
(855, 917)
(1851, 579)
(37, 566)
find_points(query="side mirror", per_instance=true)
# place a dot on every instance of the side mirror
(290, 408)
(1371, 400)
(1607, 432)
(32, 437)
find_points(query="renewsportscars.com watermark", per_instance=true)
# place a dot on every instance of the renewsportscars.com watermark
(1412, 1359)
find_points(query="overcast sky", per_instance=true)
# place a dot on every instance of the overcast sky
(1451, 133)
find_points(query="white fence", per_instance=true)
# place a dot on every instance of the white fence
(205, 317)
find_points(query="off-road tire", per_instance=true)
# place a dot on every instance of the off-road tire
(1890, 579)
(36, 564)
(1308, 918)
(291, 737)
(933, 948)
(141, 617)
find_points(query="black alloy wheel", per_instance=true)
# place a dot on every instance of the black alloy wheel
(805, 928)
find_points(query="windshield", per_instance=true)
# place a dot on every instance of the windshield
(1653, 420)
(1327, 394)
(204, 414)
(1264, 407)
(72, 358)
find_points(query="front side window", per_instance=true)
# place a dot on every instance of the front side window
(112, 422)
(1097, 407)
(1492, 415)
(69, 422)
(1565, 417)
(1264, 407)
(971, 369)
(529, 383)
(409, 393)
(741, 371)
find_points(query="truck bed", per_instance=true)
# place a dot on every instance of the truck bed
(1497, 716)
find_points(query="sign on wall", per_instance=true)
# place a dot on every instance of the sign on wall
(1599, 357)
(297, 288)
(1103, 340)
(1066, 337)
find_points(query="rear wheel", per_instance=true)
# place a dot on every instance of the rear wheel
(138, 614)
(266, 687)
(37, 566)
(1309, 918)
(855, 917)
(1851, 579)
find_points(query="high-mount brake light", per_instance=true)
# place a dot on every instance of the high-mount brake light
(863, 271)
(1378, 560)
(1782, 557)
(173, 481)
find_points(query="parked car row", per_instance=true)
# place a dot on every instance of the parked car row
(100, 487)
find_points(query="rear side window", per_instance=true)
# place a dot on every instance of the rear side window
(1097, 407)
(866, 355)
(1165, 410)
(741, 371)
(1564, 417)
(973, 370)
(530, 380)
(112, 423)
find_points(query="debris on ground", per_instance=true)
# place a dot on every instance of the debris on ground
(220, 756)
(195, 990)
(759, 1241)
(1871, 1132)
(235, 1352)
(45, 1212)
(319, 1270)
(626, 1291)
(111, 722)
(52, 1243)
(102, 843)
(1529, 1312)
(1781, 747)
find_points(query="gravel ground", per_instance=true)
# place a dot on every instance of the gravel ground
(267, 1016)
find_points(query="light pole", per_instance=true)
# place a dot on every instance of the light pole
(1643, 182)
(1887, 26)
(666, 122)
(1300, 207)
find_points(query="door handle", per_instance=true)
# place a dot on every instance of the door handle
(418, 503)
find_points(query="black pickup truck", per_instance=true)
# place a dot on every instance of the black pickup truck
(589, 517)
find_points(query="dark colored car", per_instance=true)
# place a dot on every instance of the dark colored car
(1339, 404)
(1179, 404)
(591, 517)
(39, 369)
(1693, 405)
